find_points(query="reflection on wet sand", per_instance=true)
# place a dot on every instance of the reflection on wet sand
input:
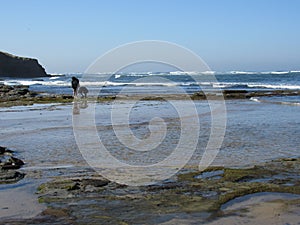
(79, 104)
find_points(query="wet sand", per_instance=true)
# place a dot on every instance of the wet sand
(42, 136)
(19, 201)
(262, 208)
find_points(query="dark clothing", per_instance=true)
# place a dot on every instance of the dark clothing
(75, 85)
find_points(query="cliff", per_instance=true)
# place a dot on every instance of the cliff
(14, 66)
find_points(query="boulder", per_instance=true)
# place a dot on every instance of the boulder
(15, 66)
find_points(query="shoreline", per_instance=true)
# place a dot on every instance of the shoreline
(21, 95)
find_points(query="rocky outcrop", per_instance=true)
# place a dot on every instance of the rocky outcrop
(8, 166)
(196, 195)
(14, 66)
(21, 95)
(11, 93)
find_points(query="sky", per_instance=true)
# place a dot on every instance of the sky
(68, 35)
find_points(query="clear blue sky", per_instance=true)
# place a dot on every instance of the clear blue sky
(66, 35)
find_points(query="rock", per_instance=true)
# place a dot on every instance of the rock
(55, 212)
(12, 163)
(12, 93)
(16, 161)
(2, 150)
(7, 161)
(190, 194)
(10, 176)
(5, 151)
(14, 66)
(8, 165)
(95, 182)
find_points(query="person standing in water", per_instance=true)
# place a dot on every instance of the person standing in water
(75, 86)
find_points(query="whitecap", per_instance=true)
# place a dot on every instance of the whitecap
(254, 99)
(275, 72)
(54, 78)
(275, 86)
(241, 72)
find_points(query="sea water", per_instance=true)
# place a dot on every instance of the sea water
(255, 132)
(190, 82)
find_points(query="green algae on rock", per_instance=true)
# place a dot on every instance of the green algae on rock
(187, 194)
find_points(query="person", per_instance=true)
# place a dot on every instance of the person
(75, 86)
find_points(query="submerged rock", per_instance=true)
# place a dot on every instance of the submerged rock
(8, 165)
(194, 194)
(10, 176)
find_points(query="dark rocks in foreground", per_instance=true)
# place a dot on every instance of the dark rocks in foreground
(15, 66)
(193, 194)
(8, 166)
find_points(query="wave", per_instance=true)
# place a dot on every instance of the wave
(180, 73)
(240, 72)
(252, 85)
(54, 78)
(55, 82)
(257, 72)
(109, 83)
(237, 72)
(192, 73)
(291, 103)
(276, 72)
(230, 85)
(275, 86)
(36, 82)
(254, 99)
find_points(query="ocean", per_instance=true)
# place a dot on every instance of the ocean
(165, 82)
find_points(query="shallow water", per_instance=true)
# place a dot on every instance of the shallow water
(244, 201)
(42, 135)
(19, 201)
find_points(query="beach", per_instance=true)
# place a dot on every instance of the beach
(150, 113)
(253, 179)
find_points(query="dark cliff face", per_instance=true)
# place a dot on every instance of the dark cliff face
(14, 66)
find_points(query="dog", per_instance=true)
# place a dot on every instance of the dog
(83, 92)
